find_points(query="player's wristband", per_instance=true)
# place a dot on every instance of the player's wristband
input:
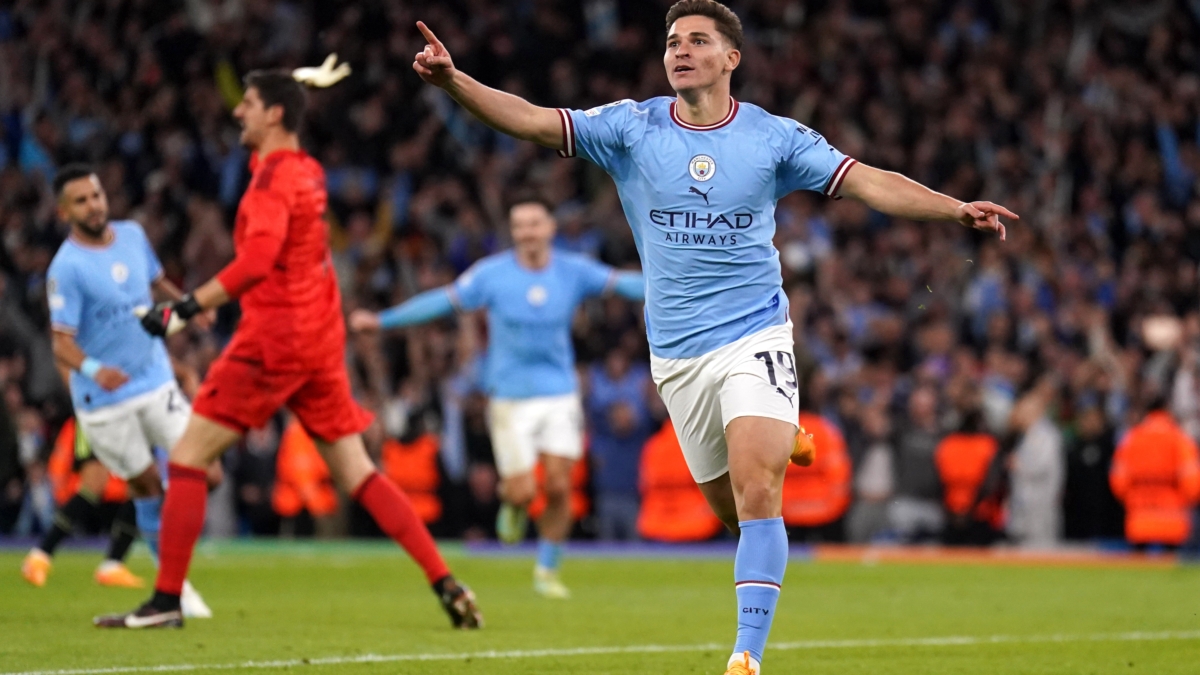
(187, 307)
(90, 367)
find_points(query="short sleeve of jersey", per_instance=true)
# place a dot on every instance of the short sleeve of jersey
(600, 135)
(64, 295)
(469, 290)
(154, 268)
(809, 162)
(591, 278)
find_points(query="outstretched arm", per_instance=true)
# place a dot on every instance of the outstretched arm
(630, 285)
(420, 308)
(896, 195)
(503, 112)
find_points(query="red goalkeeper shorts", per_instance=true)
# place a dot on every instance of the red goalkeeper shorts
(241, 394)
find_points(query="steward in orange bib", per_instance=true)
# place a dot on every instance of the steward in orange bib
(968, 464)
(1156, 474)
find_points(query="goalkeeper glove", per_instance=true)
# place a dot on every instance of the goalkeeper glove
(325, 76)
(168, 318)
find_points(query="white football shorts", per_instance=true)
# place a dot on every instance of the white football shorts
(521, 428)
(752, 377)
(124, 434)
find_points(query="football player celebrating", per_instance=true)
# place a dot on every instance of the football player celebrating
(698, 175)
(531, 293)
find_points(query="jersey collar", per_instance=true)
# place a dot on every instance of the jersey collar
(733, 110)
(254, 160)
(112, 238)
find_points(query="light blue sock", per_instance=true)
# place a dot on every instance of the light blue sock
(758, 569)
(549, 554)
(149, 521)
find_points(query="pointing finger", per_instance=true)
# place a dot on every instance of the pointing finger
(429, 36)
(1005, 212)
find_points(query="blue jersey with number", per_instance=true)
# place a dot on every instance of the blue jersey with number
(701, 202)
(529, 319)
(92, 293)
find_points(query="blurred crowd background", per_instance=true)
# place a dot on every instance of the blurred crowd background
(1082, 116)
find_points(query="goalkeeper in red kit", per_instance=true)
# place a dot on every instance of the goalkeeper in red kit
(288, 351)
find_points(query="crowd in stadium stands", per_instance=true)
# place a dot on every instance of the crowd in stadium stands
(962, 388)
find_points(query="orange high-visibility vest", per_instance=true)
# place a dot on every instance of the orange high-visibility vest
(302, 481)
(1156, 473)
(61, 467)
(414, 467)
(673, 508)
(962, 461)
(819, 494)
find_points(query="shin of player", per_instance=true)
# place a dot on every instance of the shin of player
(288, 351)
(530, 293)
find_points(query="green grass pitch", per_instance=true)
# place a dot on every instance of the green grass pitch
(365, 609)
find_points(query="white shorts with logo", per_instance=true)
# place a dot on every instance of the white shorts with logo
(752, 377)
(521, 428)
(124, 434)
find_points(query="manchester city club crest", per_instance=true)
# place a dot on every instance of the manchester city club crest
(536, 295)
(120, 273)
(702, 167)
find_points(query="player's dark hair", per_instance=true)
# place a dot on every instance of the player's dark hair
(68, 173)
(530, 196)
(279, 88)
(728, 23)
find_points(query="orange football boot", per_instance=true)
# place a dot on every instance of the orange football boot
(36, 567)
(112, 573)
(742, 666)
(804, 450)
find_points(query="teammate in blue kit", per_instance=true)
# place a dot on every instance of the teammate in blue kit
(530, 293)
(698, 175)
(122, 381)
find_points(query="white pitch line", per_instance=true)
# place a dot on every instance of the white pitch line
(946, 641)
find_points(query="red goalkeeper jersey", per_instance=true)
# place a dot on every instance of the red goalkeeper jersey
(283, 274)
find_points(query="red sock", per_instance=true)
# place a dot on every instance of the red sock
(182, 521)
(390, 508)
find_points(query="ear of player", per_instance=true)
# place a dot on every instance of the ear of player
(324, 76)
(168, 317)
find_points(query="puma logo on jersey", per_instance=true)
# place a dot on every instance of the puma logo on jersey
(693, 190)
(785, 394)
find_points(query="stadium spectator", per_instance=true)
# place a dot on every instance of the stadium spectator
(1037, 472)
(10, 469)
(620, 423)
(967, 463)
(915, 512)
(874, 482)
(816, 497)
(1156, 473)
(37, 510)
(1090, 511)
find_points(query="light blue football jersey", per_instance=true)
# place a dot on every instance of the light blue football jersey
(529, 319)
(92, 293)
(701, 202)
